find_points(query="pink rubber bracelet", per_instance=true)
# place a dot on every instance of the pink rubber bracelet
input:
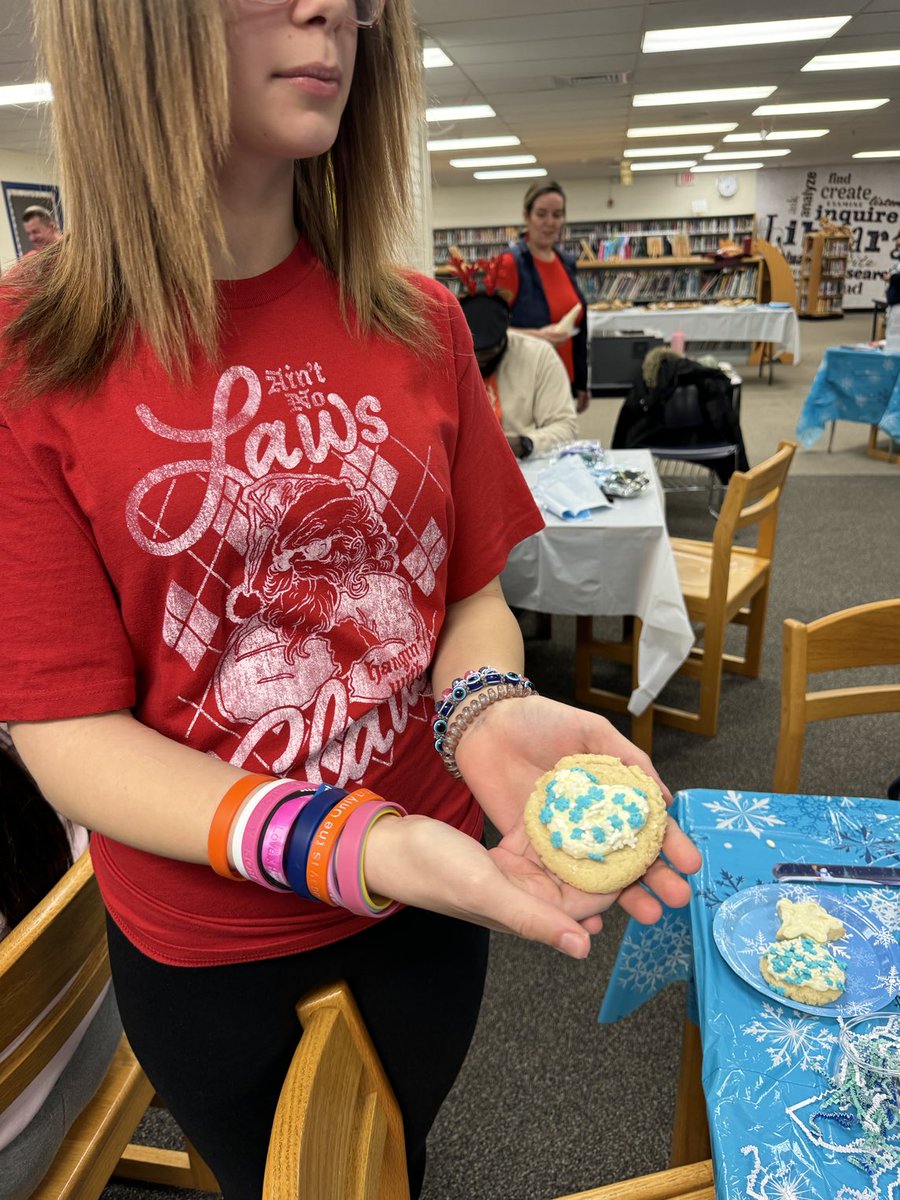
(239, 825)
(275, 838)
(350, 855)
(266, 801)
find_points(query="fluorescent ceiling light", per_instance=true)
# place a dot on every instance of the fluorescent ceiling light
(783, 135)
(820, 106)
(525, 173)
(661, 151)
(757, 153)
(26, 93)
(853, 62)
(459, 112)
(500, 160)
(753, 33)
(706, 96)
(677, 164)
(433, 56)
(656, 131)
(722, 168)
(473, 143)
(877, 154)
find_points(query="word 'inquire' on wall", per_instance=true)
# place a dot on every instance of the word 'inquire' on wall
(865, 197)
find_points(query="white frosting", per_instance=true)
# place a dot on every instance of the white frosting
(804, 963)
(588, 819)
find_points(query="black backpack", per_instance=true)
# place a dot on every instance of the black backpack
(690, 405)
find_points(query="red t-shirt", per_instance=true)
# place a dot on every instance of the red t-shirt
(258, 566)
(558, 290)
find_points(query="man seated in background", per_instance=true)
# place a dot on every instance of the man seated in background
(525, 379)
(40, 227)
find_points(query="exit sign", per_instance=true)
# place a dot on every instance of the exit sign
(684, 179)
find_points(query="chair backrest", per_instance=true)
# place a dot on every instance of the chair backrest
(61, 942)
(338, 1132)
(867, 635)
(753, 498)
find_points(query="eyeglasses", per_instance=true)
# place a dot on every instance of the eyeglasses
(361, 13)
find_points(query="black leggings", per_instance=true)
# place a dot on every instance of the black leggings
(216, 1041)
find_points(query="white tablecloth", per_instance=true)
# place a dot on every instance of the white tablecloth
(617, 562)
(711, 323)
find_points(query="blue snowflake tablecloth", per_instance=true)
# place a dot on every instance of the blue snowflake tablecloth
(853, 384)
(766, 1067)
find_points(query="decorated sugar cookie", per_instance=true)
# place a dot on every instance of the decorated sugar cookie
(595, 822)
(803, 970)
(806, 918)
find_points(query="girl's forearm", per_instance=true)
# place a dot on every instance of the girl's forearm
(114, 775)
(478, 631)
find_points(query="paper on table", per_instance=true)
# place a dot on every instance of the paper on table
(568, 490)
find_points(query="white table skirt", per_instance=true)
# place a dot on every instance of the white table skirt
(711, 323)
(618, 562)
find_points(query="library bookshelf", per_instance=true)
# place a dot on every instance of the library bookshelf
(823, 270)
(687, 236)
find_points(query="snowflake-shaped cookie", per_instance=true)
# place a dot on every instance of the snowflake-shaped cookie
(806, 918)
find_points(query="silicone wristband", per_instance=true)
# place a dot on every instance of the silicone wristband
(270, 851)
(333, 890)
(323, 844)
(239, 824)
(350, 861)
(220, 826)
(263, 805)
(300, 840)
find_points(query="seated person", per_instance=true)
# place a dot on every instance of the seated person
(525, 379)
(37, 847)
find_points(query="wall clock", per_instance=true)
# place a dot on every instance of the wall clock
(727, 185)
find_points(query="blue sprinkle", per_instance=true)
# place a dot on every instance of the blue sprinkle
(598, 834)
(577, 833)
(556, 840)
(596, 857)
(546, 815)
(616, 821)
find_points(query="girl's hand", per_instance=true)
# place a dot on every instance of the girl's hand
(553, 334)
(512, 743)
(433, 866)
(582, 400)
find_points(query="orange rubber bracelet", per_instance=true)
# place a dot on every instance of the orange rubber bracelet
(326, 839)
(223, 818)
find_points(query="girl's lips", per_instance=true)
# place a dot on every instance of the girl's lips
(312, 85)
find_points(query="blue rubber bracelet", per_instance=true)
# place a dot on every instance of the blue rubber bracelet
(299, 843)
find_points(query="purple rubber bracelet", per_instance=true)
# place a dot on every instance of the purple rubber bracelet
(350, 855)
(275, 832)
(269, 799)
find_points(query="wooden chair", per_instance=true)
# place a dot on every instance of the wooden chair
(722, 584)
(691, 1182)
(338, 1132)
(865, 636)
(64, 939)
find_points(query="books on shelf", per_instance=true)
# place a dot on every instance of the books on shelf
(608, 239)
(652, 284)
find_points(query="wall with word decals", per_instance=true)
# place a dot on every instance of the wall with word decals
(791, 202)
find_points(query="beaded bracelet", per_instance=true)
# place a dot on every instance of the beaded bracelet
(504, 691)
(460, 689)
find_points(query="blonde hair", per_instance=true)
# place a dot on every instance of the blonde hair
(141, 123)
